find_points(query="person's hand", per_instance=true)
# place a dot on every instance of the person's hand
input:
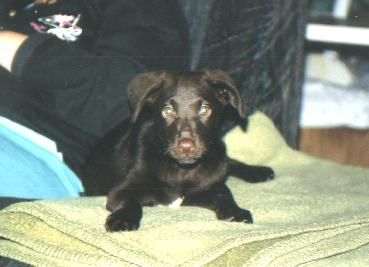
(9, 44)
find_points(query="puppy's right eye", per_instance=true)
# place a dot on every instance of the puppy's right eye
(168, 111)
(204, 110)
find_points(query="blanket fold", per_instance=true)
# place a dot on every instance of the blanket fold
(315, 213)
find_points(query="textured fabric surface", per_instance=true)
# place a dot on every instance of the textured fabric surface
(260, 44)
(315, 212)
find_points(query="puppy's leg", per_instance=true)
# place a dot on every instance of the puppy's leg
(126, 215)
(249, 173)
(127, 199)
(219, 199)
(125, 204)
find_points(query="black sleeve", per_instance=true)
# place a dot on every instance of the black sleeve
(87, 87)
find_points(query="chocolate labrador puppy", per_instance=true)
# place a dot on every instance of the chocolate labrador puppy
(171, 151)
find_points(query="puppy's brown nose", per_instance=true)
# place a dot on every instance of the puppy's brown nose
(186, 145)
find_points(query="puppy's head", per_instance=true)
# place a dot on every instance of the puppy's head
(187, 109)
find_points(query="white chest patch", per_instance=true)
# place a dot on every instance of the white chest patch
(176, 203)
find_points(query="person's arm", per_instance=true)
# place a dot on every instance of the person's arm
(9, 45)
(133, 37)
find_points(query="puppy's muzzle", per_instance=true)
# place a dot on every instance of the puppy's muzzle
(186, 146)
(185, 151)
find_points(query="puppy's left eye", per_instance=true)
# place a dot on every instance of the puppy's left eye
(204, 110)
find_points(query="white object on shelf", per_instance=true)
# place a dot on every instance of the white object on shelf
(327, 106)
(328, 67)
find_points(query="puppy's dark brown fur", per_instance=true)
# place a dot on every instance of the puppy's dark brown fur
(171, 148)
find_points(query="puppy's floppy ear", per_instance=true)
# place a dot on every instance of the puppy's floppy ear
(143, 90)
(227, 90)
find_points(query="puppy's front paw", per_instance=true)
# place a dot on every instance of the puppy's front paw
(235, 215)
(123, 220)
(263, 174)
